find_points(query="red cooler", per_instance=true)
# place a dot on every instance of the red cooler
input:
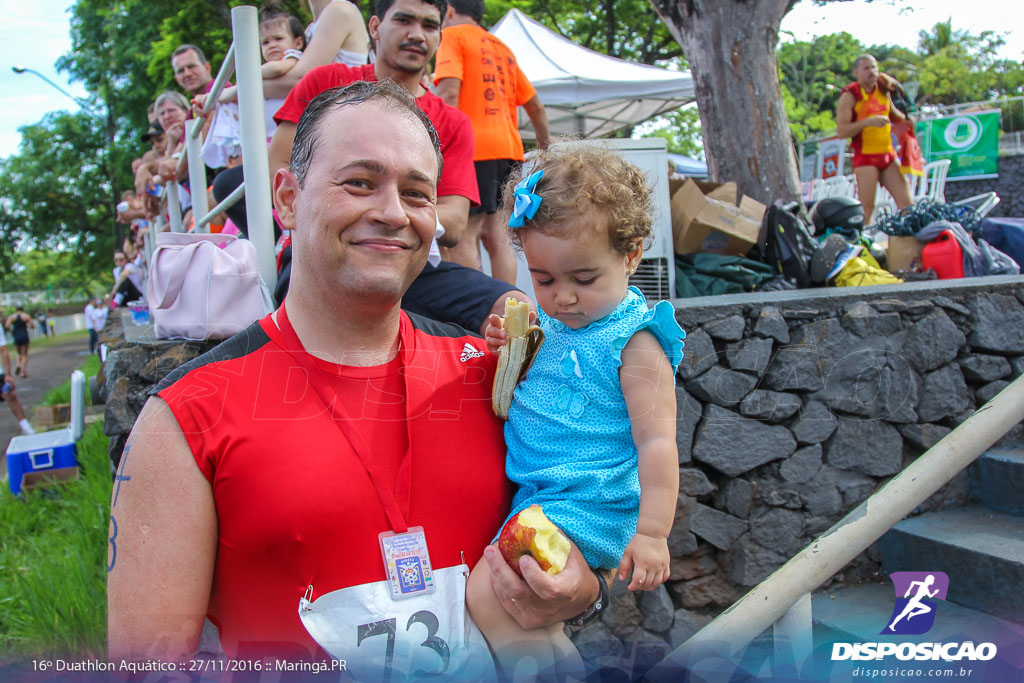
(944, 256)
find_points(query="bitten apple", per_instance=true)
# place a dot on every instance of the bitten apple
(531, 532)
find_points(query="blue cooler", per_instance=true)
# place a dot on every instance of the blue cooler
(52, 453)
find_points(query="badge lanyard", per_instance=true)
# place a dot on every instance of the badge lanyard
(403, 548)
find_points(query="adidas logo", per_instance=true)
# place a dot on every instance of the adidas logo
(469, 352)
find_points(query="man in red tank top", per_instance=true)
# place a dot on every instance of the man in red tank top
(864, 114)
(269, 466)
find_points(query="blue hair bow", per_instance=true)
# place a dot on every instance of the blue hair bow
(527, 202)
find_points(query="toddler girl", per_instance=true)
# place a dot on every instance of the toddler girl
(591, 429)
(281, 43)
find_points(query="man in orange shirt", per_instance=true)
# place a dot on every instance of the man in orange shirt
(478, 73)
(864, 114)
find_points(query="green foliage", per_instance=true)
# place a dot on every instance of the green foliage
(57, 193)
(681, 130)
(956, 66)
(627, 29)
(53, 545)
(43, 269)
(62, 394)
(811, 75)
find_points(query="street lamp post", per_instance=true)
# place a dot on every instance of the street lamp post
(109, 124)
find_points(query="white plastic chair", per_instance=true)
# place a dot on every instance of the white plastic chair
(932, 185)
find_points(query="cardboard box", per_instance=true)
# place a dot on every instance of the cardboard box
(49, 416)
(706, 217)
(904, 253)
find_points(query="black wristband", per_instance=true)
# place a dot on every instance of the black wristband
(594, 610)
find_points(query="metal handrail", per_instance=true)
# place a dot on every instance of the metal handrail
(770, 600)
(226, 204)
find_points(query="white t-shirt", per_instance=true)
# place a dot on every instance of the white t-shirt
(89, 308)
(99, 317)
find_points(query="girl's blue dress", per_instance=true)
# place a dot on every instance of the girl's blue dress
(570, 447)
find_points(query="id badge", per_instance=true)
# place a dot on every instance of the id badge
(407, 563)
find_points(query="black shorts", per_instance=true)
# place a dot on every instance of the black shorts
(491, 176)
(452, 293)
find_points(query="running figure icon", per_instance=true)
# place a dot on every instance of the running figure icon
(915, 606)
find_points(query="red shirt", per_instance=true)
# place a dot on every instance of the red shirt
(295, 505)
(453, 127)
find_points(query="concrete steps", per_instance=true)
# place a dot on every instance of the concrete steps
(982, 551)
(859, 613)
(997, 479)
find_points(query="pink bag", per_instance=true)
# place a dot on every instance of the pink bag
(199, 290)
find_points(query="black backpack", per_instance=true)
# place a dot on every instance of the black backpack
(785, 243)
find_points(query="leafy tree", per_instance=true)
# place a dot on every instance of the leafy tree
(46, 269)
(681, 130)
(811, 75)
(628, 29)
(57, 193)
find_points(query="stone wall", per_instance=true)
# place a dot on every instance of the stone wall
(1007, 186)
(792, 408)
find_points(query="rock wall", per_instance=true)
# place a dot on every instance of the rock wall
(1007, 186)
(792, 408)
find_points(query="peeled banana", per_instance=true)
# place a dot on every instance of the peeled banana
(523, 340)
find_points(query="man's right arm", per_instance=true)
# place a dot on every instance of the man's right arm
(448, 90)
(539, 120)
(163, 542)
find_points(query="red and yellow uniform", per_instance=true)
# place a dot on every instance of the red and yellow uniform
(873, 145)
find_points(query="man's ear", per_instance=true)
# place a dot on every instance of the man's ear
(373, 27)
(286, 194)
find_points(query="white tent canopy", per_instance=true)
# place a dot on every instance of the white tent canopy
(585, 92)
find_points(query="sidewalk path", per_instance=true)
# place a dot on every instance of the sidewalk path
(47, 368)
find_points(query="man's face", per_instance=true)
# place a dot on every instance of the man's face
(119, 258)
(366, 214)
(866, 72)
(191, 74)
(407, 36)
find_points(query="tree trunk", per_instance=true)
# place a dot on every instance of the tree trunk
(730, 46)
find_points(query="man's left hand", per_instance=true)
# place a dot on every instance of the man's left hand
(542, 599)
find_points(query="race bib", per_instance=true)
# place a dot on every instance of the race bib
(382, 639)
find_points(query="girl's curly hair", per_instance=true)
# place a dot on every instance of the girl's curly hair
(578, 177)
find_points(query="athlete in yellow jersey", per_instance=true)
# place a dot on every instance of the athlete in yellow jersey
(864, 114)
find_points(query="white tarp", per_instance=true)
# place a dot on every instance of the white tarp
(585, 92)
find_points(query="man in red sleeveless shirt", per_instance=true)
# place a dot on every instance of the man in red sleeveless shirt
(267, 467)
(864, 114)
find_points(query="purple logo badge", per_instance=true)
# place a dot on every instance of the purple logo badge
(917, 594)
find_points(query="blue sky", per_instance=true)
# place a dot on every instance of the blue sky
(36, 34)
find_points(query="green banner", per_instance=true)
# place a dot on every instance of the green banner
(969, 140)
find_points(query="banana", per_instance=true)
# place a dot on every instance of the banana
(516, 356)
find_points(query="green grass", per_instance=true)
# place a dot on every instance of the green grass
(43, 342)
(53, 546)
(62, 393)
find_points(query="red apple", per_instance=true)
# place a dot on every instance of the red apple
(531, 532)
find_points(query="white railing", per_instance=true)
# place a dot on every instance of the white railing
(783, 598)
(242, 57)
